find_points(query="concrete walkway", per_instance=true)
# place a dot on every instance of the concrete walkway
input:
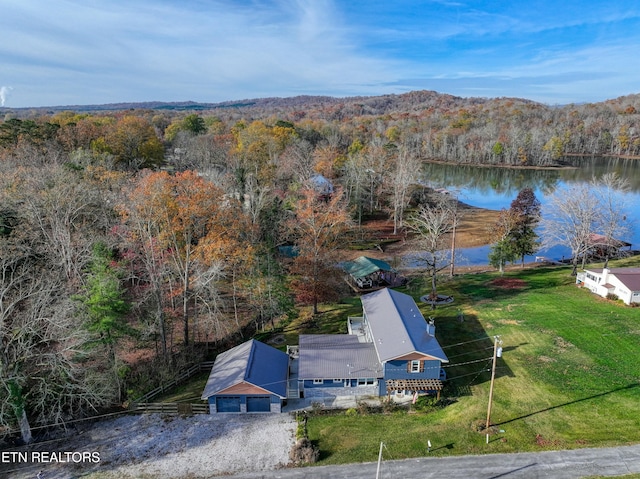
(573, 464)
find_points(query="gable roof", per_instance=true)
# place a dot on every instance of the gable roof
(253, 363)
(321, 184)
(630, 277)
(364, 266)
(595, 239)
(398, 327)
(337, 356)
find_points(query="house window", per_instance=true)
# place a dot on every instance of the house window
(337, 380)
(366, 381)
(318, 381)
(416, 366)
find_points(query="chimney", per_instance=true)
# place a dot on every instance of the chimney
(605, 275)
(431, 326)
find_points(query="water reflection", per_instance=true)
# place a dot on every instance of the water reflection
(509, 181)
(495, 188)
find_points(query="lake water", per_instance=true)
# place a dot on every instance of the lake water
(496, 188)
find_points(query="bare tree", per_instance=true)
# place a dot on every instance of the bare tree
(614, 223)
(572, 217)
(433, 223)
(568, 219)
(47, 376)
(405, 172)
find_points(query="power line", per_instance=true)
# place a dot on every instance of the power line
(466, 342)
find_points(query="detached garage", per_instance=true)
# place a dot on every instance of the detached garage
(249, 378)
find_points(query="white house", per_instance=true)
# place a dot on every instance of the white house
(623, 282)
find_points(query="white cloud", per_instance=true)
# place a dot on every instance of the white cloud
(91, 51)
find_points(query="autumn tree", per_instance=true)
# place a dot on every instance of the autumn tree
(317, 227)
(133, 142)
(188, 218)
(258, 146)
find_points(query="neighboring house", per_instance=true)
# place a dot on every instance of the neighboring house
(366, 273)
(622, 282)
(251, 377)
(322, 185)
(599, 246)
(391, 349)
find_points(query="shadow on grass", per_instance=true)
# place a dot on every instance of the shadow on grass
(470, 351)
(588, 398)
(446, 446)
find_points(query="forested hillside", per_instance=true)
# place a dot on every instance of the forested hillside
(129, 237)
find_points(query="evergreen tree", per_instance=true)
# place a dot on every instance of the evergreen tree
(526, 212)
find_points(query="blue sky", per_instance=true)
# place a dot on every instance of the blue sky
(73, 52)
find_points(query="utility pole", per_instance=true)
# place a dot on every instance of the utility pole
(453, 236)
(497, 353)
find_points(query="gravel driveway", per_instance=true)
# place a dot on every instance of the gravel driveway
(163, 447)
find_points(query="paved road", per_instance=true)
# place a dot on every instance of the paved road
(574, 464)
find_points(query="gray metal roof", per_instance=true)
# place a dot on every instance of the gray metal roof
(252, 362)
(398, 327)
(337, 356)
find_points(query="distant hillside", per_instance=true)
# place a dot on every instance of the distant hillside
(382, 104)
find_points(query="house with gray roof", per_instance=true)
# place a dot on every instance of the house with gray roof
(340, 362)
(252, 377)
(390, 349)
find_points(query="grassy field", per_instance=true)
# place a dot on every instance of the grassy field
(569, 375)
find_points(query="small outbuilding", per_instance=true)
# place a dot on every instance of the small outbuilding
(250, 378)
(370, 273)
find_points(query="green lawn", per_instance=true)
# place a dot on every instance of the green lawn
(569, 375)
(188, 392)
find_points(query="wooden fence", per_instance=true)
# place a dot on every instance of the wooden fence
(205, 366)
(170, 408)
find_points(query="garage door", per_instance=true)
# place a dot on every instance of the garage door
(228, 404)
(258, 404)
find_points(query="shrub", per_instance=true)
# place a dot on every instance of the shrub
(612, 297)
(426, 403)
(304, 452)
